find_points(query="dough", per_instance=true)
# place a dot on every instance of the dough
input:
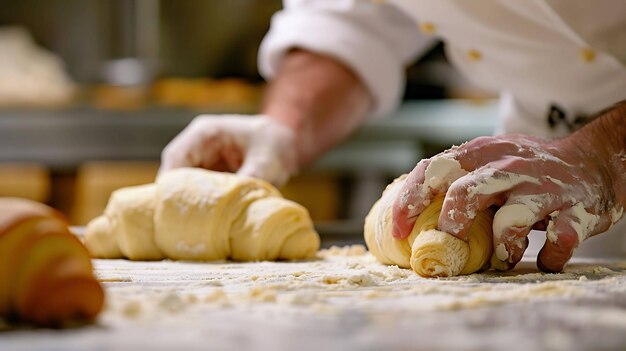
(99, 239)
(430, 252)
(195, 214)
(289, 223)
(130, 214)
(378, 230)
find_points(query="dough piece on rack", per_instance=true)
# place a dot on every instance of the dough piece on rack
(195, 214)
(428, 251)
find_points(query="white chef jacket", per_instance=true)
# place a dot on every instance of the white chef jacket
(542, 56)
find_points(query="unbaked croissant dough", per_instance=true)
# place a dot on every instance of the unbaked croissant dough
(196, 214)
(430, 252)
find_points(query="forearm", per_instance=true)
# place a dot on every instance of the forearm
(604, 141)
(320, 99)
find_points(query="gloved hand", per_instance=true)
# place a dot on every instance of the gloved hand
(255, 146)
(554, 185)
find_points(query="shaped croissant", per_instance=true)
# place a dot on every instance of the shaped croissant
(195, 214)
(45, 272)
(430, 252)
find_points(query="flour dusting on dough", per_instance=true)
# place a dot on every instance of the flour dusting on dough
(193, 250)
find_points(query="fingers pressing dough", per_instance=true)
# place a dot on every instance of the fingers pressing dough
(430, 252)
(197, 214)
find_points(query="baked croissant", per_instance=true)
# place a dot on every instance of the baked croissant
(195, 214)
(428, 251)
(45, 272)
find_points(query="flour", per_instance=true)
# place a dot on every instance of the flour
(332, 285)
(173, 303)
(543, 290)
(349, 250)
(495, 181)
(297, 299)
(584, 223)
(488, 181)
(616, 214)
(516, 215)
(501, 253)
(440, 173)
(556, 181)
(535, 202)
(215, 296)
(132, 309)
(363, 279)
(194, 250)
(265, 304)
(260, 293)
(520, 215)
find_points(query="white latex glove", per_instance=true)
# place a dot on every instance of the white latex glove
(255, 146)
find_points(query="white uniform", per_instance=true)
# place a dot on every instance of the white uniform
(565, 58)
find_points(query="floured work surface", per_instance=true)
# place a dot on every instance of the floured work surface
(344, 300)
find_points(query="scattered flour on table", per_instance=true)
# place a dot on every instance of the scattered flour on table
(340, 279)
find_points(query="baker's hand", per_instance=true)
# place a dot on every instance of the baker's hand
(255, 146)
(554, 185)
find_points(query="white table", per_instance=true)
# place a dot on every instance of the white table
(344, 302)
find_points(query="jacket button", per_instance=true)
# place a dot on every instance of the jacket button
(587, 54)
(427, 27)
(474, 55)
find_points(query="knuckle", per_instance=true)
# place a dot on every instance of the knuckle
(510, 163)
(197, 121)
(479, 142)
(419, 168)
(202, 118)
(490, 144)
(459, 189)
(202, 124)
(168, 152)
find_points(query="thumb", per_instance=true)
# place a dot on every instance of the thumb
(261, 162)
(271, 154)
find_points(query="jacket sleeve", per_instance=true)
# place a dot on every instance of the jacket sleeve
(375, 40)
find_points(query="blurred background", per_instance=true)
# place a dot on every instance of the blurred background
(92, 90)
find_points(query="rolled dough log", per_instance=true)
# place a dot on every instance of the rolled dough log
(195, 214)
(430, 252)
